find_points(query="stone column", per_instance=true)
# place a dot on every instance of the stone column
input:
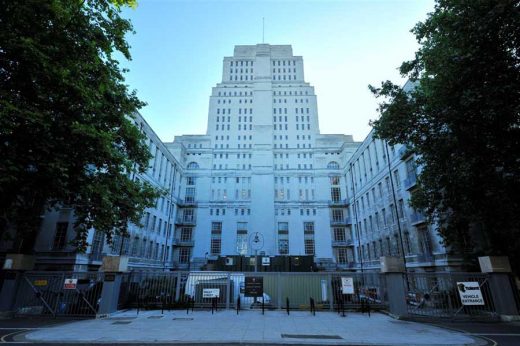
(113, 266)
(501, 285)
(8, 293)
(393, 270)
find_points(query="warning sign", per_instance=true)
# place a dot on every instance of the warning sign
(347, 285)
(70, 284)
(211, 293)
(470, 293)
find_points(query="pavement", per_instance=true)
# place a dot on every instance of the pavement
(250, 327)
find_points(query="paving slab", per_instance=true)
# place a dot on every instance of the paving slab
(251, 327)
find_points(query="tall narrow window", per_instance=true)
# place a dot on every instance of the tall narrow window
(283, 238)
(308, 234)
(216, 238)
(60, 236)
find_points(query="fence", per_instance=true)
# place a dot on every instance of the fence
(43, 293)
(151, 290)
(432, 295)
(437, 295)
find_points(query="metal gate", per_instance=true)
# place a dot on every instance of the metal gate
(435, 295)
(167, 290)
(43, 293)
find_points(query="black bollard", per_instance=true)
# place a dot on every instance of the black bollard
(262, 304)
(138, 304)
(287, 305)
(343, 308)
(238, 304)
(312, 306)
(188, 301)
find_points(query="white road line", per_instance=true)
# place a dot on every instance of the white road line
(496, 334)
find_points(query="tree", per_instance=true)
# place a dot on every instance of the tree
(67, 136)
(462, 118)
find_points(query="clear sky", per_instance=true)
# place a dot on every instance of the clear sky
(346, 45)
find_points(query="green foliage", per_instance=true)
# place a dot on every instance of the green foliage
(67, 134)
(462, 118)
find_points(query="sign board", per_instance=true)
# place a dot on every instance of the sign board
(254, 286)
(40, 282)
(470, 293)
(347, 285)
(70, 284)
(266, 261)
(110, 277)
(211, 293)
(8, 264)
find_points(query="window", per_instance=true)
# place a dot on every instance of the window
(333, 165)
(337, 215)
(334, 180)
(186, 234)
(242, 238)
(339, 234)
(283, 238)
(335, 194)
(341, 256)
(193, 165)
(184, 255)
(216, 238)
(60, 236)
(308, 234)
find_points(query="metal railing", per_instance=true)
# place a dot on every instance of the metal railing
(436, 295)
(44, 293)
(160, 290)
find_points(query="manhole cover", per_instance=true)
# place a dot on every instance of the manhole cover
(154, 317)
(182, 319)
(122, 322)
(310, 336)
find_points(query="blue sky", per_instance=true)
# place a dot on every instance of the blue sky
(178, 49)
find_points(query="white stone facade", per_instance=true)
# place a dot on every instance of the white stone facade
(264, 168)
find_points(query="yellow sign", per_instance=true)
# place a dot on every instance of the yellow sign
(40, 283)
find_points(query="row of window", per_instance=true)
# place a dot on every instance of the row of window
(236, 70)
(285, 100)
(296, 110)
(289, 93)
(283, 62)
(235, 93)
(284, 77)
(239, 101)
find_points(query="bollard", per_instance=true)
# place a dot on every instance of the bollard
(262, 304)
(238, 304)
(312, 306)
(138, 304)
(287, 305)
(342, 307)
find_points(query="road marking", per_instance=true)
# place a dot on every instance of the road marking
(6, 328)
(496, 334)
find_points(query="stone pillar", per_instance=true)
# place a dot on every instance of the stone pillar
(393, 269)
(113, 266)
(8, 293)
(501, 285)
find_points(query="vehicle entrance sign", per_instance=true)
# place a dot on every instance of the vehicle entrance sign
(470, 293)
(254, 286)
(211, 293)
(70, 284)
(347, 285)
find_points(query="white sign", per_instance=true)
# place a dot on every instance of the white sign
(266, 261)
(347, 285)
(211, 293)
(8, 264)
(470, 293)
(70, 284)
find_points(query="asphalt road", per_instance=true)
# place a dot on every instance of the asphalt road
(497, 334)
